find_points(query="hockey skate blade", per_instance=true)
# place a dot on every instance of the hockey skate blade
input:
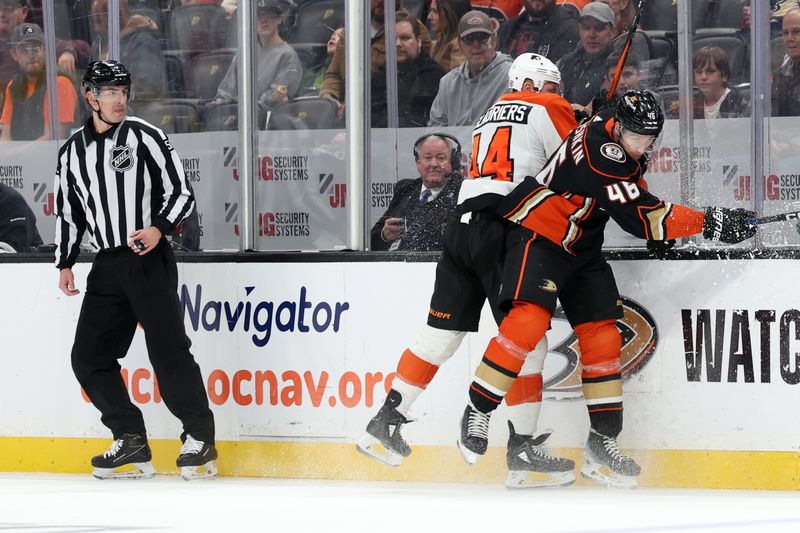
(129, 471)
(603, 475)
(193, 473)
(524, 479)
(374, 449)
(469, 456)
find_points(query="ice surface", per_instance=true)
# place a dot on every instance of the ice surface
(36, 503)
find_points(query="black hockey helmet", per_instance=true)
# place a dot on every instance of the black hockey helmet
(639, 112)
(107, 73)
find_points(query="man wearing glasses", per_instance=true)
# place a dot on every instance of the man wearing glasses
(468, 90)
(26, 111)
(119, 178)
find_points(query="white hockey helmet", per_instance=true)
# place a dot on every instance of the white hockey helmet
(534, 67)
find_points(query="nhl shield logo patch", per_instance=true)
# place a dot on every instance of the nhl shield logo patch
(121, 158)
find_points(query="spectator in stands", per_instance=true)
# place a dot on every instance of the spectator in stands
(12, 14)
(624, 11)
(717, 99)
(278, 68)
(333, 81)
(418, 77)
(544, 28)
(421, 208)
(443, 19)
(576, 5)
(312, 77)
(631, 75)
(469, 90)
(583, 71)
(786, 79)
(631, 78)
(499, 10)
(140, 49)
(71, 55)
(26, 111)
(17, 221)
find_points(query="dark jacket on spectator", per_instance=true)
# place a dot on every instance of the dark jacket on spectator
(417, 85)
(582, 79)
(333, 80)
(17, 221)
(425, 223)
(786, 91)
(141, 53)
(734, 105)
(552, 36)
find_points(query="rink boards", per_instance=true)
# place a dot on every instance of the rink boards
(298, 356)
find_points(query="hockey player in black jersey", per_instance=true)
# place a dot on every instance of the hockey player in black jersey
(555, 253)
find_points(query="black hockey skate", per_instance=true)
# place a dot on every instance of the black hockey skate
(605, 463)
(197, 459)
(474, 434)
(531, 465)
(383, 440)
(128, 458)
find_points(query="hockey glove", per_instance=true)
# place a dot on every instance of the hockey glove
(660, 249)
(581, 116)
(602, 101)
(728, 225)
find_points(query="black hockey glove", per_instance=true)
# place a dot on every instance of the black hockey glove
(728, 225)
(660, 249)
(602, 100)
(581, 116)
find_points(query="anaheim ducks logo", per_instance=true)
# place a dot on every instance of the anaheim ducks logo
(562, 372)
(121, 158)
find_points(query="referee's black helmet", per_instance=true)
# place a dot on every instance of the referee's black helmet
(107, 73)
(639, 112)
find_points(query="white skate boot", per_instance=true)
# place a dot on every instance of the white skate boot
(530, 464)
(605, 463)
(128, 458)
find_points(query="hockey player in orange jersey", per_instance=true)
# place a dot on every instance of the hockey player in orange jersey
(513, 139)
(555, 253)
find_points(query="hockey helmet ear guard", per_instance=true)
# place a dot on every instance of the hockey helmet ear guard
(639, 112)
(534, 67)
(107, 73)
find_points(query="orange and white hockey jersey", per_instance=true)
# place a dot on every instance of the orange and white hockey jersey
(513, 139)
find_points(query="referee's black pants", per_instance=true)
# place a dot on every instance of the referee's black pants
(123, 289)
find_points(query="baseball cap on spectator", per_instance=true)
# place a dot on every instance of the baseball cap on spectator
(599, 11)
(276, 7)
(474, 22)
(26, 32)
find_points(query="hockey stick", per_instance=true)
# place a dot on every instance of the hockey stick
(628, 42)
(792, 215)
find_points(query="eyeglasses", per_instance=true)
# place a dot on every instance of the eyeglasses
(30, 49)
(107, 95)
(440, 159)
(481, 38)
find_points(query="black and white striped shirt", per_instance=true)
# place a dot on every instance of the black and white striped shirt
(111, 184)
